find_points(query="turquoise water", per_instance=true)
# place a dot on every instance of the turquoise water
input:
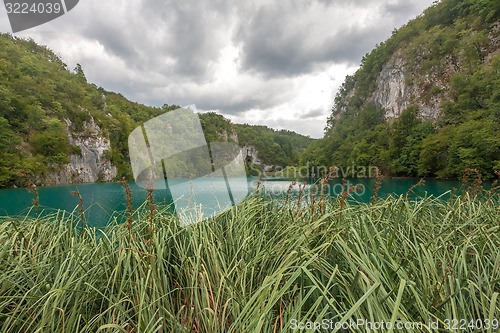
(102, 200)
(365, 188)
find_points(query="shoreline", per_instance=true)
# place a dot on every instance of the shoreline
(270, 178)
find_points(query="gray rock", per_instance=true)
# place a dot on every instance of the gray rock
(92, 164)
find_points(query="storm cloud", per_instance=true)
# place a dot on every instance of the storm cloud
(261, 61)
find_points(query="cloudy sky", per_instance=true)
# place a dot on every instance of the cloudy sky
(277, 63)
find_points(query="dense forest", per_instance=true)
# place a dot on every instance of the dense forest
(43, 102)
(275, 147)
(283, 147)
(450, 57)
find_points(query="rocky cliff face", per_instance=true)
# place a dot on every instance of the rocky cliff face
(400, 84)
(92, 164)
(224, 136)
(249, 152)
(394, 93)
(423, 102)
(251, 156)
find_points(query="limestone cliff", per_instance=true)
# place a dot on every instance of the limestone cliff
(91, 164)
(394, 93)
(403, 82)
(425, 102)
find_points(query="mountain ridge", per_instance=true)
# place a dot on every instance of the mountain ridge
(426, 101)
(56, 128)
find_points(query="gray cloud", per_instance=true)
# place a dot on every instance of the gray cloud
(165, 52)
(176, 39)
(402, 8)
(312, 128)
(113, 39)
(244, 94)
(311, 114)
(283, 39)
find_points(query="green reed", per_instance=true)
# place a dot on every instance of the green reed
(255, 268)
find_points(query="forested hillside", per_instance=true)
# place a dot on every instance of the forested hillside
(56, 128)
(426, 102)
(283, 147)
(42, 103)
(274, 147)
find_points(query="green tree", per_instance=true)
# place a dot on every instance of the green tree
(9, 158)
(80, 74)
(52, 142)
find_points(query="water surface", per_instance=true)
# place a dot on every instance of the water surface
(102, 200)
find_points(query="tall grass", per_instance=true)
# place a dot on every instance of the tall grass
(259, 267)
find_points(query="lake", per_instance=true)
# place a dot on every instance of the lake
(102, 200)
